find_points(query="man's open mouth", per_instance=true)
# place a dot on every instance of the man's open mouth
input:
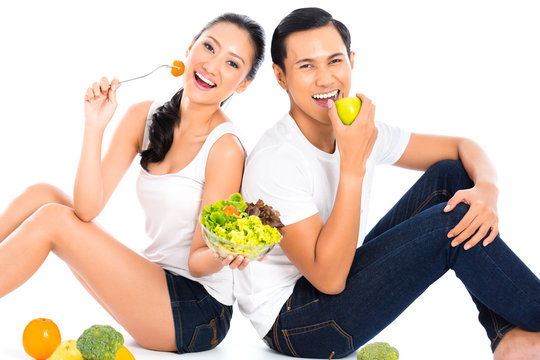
(322, 98)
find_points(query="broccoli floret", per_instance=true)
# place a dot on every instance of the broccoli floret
(378, 351)
(100, 342)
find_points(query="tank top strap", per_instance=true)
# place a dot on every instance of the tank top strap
(215, 135)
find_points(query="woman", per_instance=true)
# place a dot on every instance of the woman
(329, 288)
(190, 157)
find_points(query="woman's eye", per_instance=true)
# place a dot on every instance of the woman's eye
(209, 47)
(233, 64)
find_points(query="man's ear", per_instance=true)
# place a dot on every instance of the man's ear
(243, 86)
(351, 59)
(280, 76)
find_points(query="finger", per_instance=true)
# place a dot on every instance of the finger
(467, 233)
(333, 115)
(104, 85)
(244, 264)
(227, 260)
(115, 84)
(236, 263)
(89, 95)
(480, 234)
(366, 108)
(454, 200)
(96, 88)
(463, 224)
(494, 231)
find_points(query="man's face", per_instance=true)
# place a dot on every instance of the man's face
(317, 68)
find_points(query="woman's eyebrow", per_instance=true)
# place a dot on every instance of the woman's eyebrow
(230, 52)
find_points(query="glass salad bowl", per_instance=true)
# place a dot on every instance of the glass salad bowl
(225, 247)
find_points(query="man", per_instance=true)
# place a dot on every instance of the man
(329, 287)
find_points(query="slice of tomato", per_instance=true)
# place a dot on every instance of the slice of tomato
(231, 210)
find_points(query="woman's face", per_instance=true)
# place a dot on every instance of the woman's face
(317, 68)
(217, 64)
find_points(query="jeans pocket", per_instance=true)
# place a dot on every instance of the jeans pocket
(318, 340)
(208, 336)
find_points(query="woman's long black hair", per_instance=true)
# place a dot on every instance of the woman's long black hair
(167, 116)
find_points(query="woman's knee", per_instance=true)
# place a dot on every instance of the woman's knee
(51, 219)
(43, 193)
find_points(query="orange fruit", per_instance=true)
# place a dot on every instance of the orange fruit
(178, 69)
(40, 338)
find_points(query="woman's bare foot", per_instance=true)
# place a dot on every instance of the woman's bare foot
(518, 344)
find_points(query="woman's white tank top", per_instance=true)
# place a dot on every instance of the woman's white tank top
(171, 204)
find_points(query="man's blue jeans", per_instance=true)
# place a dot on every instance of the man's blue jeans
(406, 252)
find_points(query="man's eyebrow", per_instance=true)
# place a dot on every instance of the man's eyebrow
(310, 59)
(230, 52)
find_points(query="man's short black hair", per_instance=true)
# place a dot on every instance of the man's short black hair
(300, 20)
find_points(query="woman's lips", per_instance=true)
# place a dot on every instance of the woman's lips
(202, 82)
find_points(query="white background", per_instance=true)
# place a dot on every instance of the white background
(465, 68)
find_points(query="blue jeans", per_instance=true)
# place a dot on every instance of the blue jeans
(406, 252)
(200, 321)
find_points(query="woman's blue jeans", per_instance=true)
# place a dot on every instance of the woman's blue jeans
(406, 252)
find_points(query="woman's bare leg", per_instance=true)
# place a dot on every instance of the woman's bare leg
(133, 289)
(27, 203)
(24, 205)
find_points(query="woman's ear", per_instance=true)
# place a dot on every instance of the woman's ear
(243, 86)
(280, 76)
(351, 59)
(189, 48)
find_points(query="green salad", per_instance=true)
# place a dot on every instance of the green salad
(247, 228)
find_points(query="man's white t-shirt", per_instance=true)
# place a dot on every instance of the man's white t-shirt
(297, 179)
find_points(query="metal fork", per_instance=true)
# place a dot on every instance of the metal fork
(140, 77)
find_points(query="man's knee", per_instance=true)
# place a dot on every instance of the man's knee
(448, 166)
(452, 173)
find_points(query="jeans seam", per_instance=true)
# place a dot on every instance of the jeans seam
(169, 280)
(431, 196)
(508, 278)
(290, 309)
(289, 345)
(227, 313)
(276, 340)
(498, 335)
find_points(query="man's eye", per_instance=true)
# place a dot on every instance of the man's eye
(334, 61)
(233, 64)
(306, 66)
(209, 47)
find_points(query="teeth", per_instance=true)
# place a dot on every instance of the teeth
(204, 79)
(326, 96)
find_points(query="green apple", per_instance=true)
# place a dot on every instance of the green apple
(348, 108)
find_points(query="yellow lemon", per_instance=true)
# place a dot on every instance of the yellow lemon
(124, 354)
(67, 350)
